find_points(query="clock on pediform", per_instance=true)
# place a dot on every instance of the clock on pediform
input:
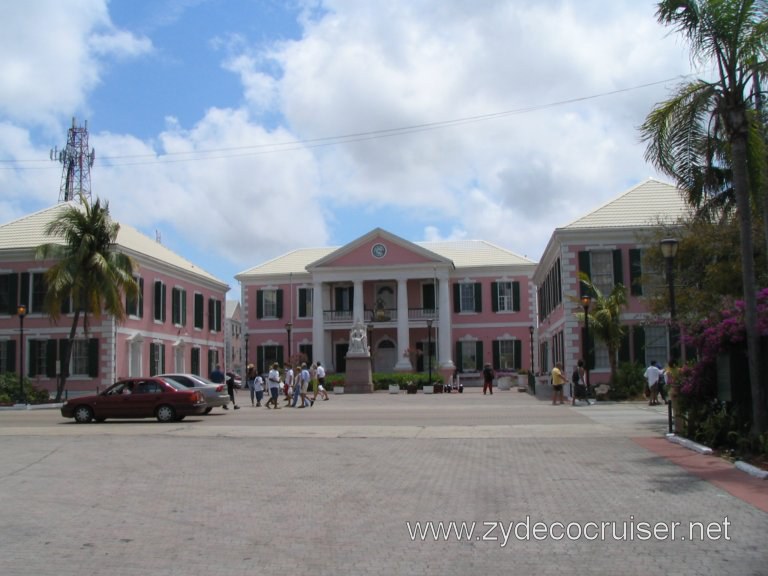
(379, 250)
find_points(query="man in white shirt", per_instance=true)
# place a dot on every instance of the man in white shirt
(321, 383)
(652, 378)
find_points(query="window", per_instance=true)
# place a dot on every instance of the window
(84, 358)
(269, 303)
(507, 355)
(179, 307)
(7, 356)
(213, 359)
(467, 297)
(199, 312)
(602, 271)
(158, 303)
(156, 358)
(135, 306)
(33, 288)
(306, 296)
(506, 296)
(266, 356)
(37, 357)
(655, 344)
(601, 354)
(470, 356)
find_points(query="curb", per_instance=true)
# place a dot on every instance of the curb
(52, 406)
(690, 444)
(752, 470)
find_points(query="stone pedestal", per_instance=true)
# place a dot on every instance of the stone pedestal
(359, 377)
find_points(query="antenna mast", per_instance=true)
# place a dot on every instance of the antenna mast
(76, 163)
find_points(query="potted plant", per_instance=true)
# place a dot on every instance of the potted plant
(394, 388)
(504, 381)
(522, 381)
(411, 387)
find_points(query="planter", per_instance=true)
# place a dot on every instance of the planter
(504, 382)
(394, 389)
(522, 382)
(429, 389)
(338, 389)
(412, 389)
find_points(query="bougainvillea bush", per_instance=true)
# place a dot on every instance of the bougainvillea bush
(721, 332)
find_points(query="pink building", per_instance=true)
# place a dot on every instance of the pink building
(463, 303)
(607, 244)
(176, 324)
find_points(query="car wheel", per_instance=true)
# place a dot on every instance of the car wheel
(165, 413)
(83, 414)
(208, 410)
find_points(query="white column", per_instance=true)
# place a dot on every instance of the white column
(444, 325)
(318, 328)
(403, 333)
(357, 302)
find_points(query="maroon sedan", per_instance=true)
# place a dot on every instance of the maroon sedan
(166, 400)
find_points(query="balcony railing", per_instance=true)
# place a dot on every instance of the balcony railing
(382, 315)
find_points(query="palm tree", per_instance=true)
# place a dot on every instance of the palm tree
(605, 318)
(88, 270)
(732, 35)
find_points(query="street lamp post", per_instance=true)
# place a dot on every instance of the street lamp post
(531, 375)
(669, 251)
(246, 349)
(429, 348)
(21, 311)
(586, 300)
(288, 328)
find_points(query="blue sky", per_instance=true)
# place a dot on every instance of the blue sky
(223, 126)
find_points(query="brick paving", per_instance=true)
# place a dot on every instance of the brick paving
(330, 490)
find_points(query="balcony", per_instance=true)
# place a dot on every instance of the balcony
(380, 315)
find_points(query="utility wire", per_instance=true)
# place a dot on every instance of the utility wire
(302, 144)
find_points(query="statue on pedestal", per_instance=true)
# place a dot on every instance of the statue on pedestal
(358, 342)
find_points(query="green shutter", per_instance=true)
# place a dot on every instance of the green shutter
(152, 356)
(496, 355)
(635, 272)
(64, 356)
(199, 310)
(93, 357)
(478, 297)
(259, 304)
(33, 353)
(459, 358)
(518, 351)
(211, 320)
(585, 267)
(162, 358)
(260, 368)
(456, 298)
(50, 358)
(163, 301)
(495, 296)
(479, 358)
(176, 306)
(624, 355)
(157, 296)
(638, 344)
(24, 299)
(10, 355)
(516, 296)
(218, 315)
(13, 293)
(183, 307)
(302, 302)
(618, 268)
(279, 299)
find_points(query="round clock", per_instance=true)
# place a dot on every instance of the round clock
(379, 250)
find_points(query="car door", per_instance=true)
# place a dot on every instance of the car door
(144, 399)
(115, 402)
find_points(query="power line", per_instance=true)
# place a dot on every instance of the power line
(302, 144)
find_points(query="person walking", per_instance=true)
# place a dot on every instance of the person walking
(231, 388)
(217, 377)
(652, 374)
(273, 381)
(488, 376)
(321, 382)
(558, 381)
(255, 385)
(303, 384)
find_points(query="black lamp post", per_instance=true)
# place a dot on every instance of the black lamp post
(288, 328)
(246, 349)
(531, 375)
(586, 300)
(21, 311)
(669, 251)
(429, 348)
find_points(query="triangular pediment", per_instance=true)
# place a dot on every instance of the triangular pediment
(379, 248)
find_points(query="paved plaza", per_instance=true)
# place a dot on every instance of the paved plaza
(351, 486)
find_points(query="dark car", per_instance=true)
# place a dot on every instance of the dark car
(215, 394)
(166, 400)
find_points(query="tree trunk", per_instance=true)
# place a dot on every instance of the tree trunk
(761, 118)
(62, 382)
(741, 191)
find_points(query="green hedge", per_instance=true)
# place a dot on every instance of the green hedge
(9, 390)
(381, 381)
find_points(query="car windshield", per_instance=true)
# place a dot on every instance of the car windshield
(172, 383)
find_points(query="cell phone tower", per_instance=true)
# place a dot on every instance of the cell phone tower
(76, 162)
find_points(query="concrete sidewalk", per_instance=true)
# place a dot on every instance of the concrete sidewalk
(339, 489)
